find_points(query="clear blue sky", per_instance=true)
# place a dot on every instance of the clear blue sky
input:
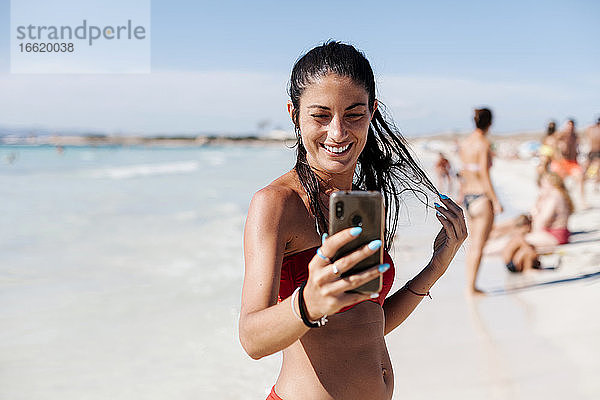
(224, 65)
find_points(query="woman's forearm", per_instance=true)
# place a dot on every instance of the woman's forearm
(401, 304)
(270, 330)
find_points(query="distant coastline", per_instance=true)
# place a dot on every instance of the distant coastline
(32, 139)
(107, 140)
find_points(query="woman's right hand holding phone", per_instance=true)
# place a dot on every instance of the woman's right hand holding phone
(325, 291)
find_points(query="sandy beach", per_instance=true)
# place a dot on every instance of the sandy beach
(539, 342)
(125, 284)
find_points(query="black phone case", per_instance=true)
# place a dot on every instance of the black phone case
(368, 207)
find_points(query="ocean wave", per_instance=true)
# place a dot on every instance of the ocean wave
(215, 159)
(133, 171)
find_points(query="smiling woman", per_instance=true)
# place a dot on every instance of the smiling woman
(336, 121)
(384, 161)
(294, 299)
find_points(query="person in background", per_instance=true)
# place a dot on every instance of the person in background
(592, 165)
(541, 231)
(518, 254)
(479, 197)
(565, 162)
(547, 149)
(442, 171)
(550, 215)
(511, 226)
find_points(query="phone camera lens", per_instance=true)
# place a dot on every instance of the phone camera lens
(357, 220)
(339, 209)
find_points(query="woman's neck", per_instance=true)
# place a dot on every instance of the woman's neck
(331, 182)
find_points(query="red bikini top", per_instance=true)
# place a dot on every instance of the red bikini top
(294, 271)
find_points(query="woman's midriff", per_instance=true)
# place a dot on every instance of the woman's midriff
(345, 359)
(471, 182)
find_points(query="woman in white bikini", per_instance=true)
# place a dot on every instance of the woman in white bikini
(479, 198)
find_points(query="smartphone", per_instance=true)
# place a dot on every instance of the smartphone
(365, 209)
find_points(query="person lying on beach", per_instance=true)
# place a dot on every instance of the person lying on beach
(519, 255)
(293, 297)
(517, 225)
(478, 194)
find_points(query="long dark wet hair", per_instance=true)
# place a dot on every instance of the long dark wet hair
(385, 164)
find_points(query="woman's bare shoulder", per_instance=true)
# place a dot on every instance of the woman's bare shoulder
(275, 212)
(481, 142)
(281, 195)
(472, 146)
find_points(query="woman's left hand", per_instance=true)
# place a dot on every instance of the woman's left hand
(451, 236)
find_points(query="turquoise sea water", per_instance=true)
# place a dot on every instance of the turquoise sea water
(123, 264)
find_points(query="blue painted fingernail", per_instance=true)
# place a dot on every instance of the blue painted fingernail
(324, 237)
(374, 295)
(384, 267)
(356, 231)
(436, 204)
(443, 196)
(375, 244)
(439, 214)
(320, 254)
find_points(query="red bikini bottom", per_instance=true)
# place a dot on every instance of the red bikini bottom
(273, 395)
(561, 234)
